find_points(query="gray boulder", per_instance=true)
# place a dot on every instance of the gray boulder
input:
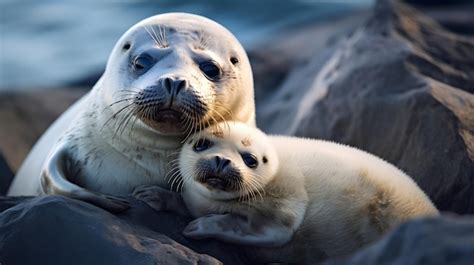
(400, 87)
(434, 241)
(58, 230)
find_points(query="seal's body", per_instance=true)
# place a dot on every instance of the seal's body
(167, 77)
(306, 199)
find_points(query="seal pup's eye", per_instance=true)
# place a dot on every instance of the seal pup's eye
(250, 160)
(142, 62)
(201, 145)
(234, 60)
(126, 46)
(211, 70)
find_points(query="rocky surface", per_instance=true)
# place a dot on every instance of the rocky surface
(397, 85)
(400, 87)
(440, 241)
(57, 230)
(456, 18)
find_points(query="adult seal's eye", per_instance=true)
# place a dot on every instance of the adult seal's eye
(211, 70)
(201, 145)
(142, 62)
(250, 160)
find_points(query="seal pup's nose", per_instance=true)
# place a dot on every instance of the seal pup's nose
(173, 85)
(221, 163)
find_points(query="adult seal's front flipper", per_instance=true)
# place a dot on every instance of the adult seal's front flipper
(54, 180)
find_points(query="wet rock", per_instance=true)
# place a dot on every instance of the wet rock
(400, 87)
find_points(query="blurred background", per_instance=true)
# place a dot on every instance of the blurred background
(50, 43)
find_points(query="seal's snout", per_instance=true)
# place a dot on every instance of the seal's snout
(220, 164)
(170, 105)
(218, 173)
(173, 85)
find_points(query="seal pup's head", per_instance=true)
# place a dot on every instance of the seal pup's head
(228, 161)
(176, 74)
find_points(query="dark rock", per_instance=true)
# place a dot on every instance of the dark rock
(27, 114)
(290, 50)
(6, 176)
(58, 230)
(399, 87)
(456, 18)
(446, 240)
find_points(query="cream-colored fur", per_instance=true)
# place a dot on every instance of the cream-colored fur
(354, 197)
(321, 200)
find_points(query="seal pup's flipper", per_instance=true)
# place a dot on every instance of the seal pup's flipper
(54, 181)
(236, 229)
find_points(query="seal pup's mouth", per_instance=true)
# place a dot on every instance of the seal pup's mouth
(213, 178)
(216, 182)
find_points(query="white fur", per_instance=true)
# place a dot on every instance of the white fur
(339, 198)
(115, 161)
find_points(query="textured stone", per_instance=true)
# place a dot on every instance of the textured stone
(58, 230)
(440, 241)
(399, 87)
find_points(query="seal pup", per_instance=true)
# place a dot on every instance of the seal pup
(306, 199)
(167, 77)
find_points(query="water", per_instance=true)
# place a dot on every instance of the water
(49, 43)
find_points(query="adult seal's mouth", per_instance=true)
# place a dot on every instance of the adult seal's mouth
(171, 109)
(168, 116)
(167, 121)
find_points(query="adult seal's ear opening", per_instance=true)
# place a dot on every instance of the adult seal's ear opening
(167, 77)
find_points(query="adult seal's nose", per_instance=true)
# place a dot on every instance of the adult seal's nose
(173, 85)
(221, 163)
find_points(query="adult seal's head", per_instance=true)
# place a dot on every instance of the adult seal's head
(176, 74)
(228, 162)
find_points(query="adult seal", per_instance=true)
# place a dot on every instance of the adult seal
(167, 77)
(299, 200)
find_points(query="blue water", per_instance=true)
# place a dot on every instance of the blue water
(48, 43)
